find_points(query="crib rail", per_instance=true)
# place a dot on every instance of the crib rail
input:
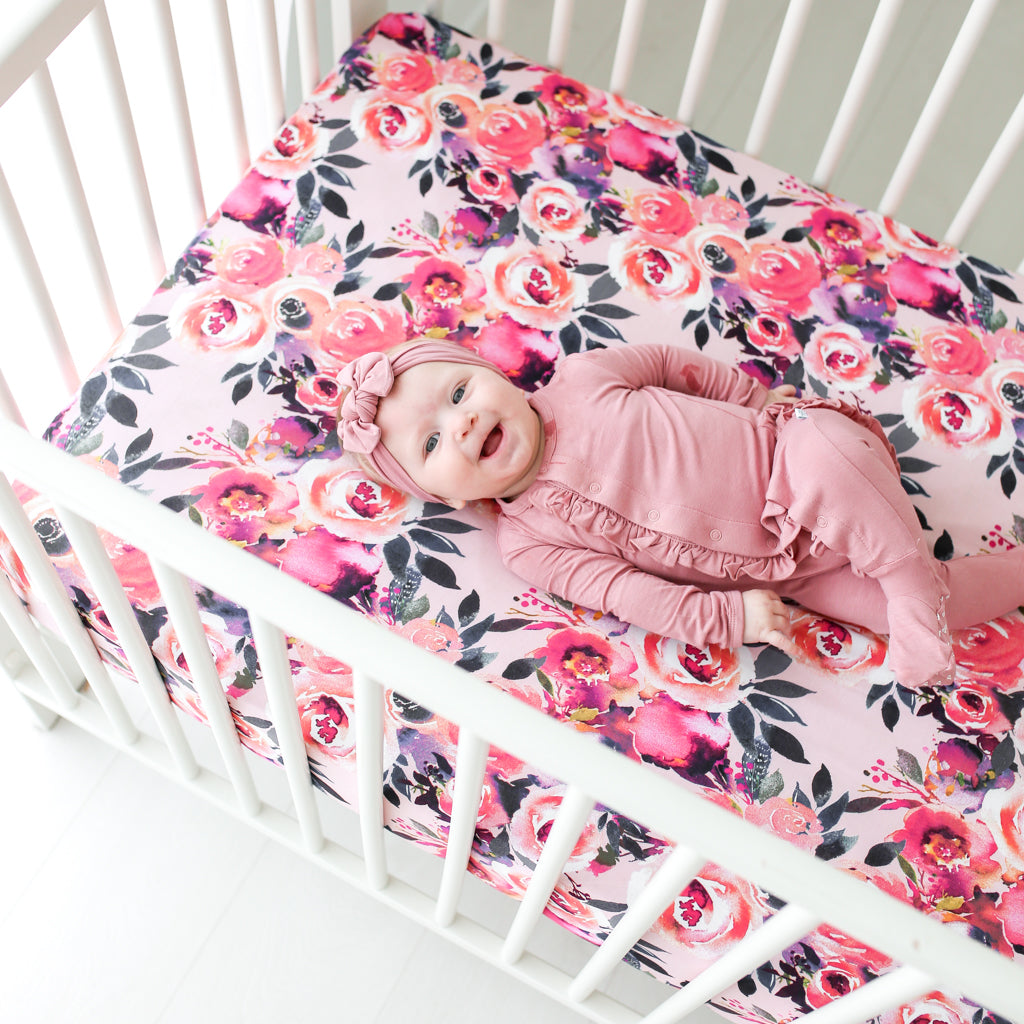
(280, 606)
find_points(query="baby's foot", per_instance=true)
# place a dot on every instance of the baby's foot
(920, 652)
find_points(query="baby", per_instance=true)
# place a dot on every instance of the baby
(678, 494)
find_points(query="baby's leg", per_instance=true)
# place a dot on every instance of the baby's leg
(839, 483)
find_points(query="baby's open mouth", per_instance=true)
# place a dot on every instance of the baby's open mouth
(491, 442)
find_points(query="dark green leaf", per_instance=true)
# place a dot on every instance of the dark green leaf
(783, 742)
(469, 608)
(138, 446)
(436, 571)
(122, 408)
(821, 786)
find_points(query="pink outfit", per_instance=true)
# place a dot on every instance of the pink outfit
(666, 489)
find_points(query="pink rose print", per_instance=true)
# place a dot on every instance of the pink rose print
(782, 274)
(525, 354)
(660, 211)
(403, 28)
(950, 854)
(298, 307)
(1005, 383)
(221, 319)
(924, 287)
(972, 706)
(846, 241)
(1005, 344)
(641, 117)
(957, 415)
(656, 268)
(167, 650)
(256, 261)
(719, 209)
(352, 328)
(836, 648)
(459, 71)
(587, 670)
(409, 72)
(992, 651)
(686, 739)
(289, 154)
(932, 1009)
(717, 251)
(435, 637)
(644, 152)
(569, 103)
(531, 825)
(898, 238)
(344, 501)
(492, 184)
(532, 286)
(1003, 812)
(835, 979)
(707, 678)
(555, 210)
(394, 123)
(953, 350)
(789, 819)
(445, 294)
(839, 356)
(319, 263)
(320, 392)
(773, 335)
(508, 134)
(712, 913)
(327, 722)
(454, 109)
(247, 504)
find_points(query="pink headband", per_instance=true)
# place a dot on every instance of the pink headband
(371, 378)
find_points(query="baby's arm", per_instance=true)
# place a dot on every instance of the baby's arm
(683, 370)
(610, 584)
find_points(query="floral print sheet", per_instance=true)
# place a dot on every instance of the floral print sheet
(435, 184)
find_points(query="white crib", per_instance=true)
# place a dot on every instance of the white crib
(49, 672)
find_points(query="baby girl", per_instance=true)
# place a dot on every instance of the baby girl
(678, 494)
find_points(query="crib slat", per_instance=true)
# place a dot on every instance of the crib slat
(42, 83)
(181, 120)
(496, 11)
(46, 584)
(935, 107)
(701, 58)
(470, 765)
(778, 71)
(870, 57)
(572, 816)
(369, 712)
(277, 680)
(14, 227)
(181, 608)
(229, 71)
(558, 39)
(90, 551)
(625, 48)
(27, 634)
(1007, 143)
(270, 65)
(309, 59)
(782, 930)
(138, 184)
(669, 880)
(903, 985)
(341, 26)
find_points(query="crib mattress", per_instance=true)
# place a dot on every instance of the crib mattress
(436, 184)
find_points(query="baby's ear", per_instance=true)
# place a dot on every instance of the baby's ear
(456, 503)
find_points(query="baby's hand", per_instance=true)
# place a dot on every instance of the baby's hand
(766, 621)
(783, 393)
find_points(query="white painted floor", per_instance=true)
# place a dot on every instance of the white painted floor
(125, 899)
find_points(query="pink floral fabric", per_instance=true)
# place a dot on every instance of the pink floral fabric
(434, 184)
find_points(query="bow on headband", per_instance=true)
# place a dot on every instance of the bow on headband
(369, 378)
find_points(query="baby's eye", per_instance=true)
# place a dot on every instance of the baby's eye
(431, 443)
(457, 394)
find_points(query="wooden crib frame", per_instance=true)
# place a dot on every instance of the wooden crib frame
(49, 672)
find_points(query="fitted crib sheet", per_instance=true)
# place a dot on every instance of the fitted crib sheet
(436, 184)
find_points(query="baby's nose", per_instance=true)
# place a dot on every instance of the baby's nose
(464, 423)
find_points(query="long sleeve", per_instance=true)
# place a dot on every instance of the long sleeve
(679, 369)
(607, 583)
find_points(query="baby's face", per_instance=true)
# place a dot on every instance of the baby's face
(461, 432)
